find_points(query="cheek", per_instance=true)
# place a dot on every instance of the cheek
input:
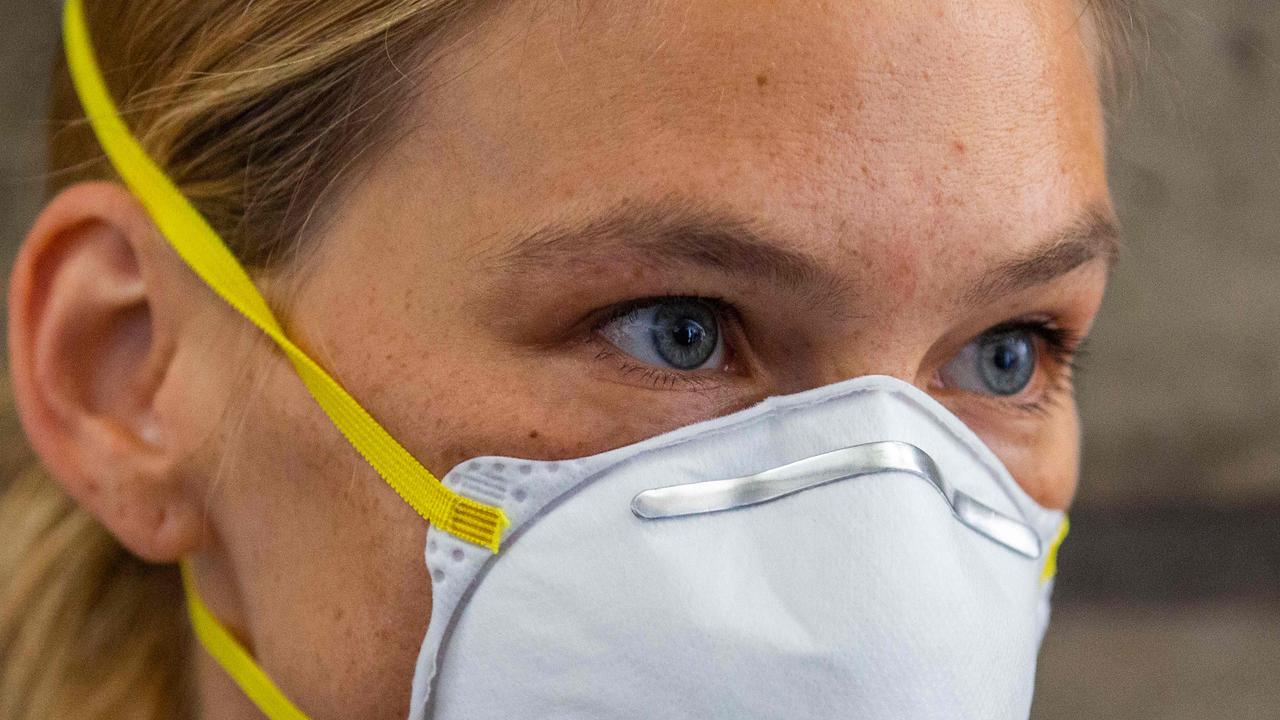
(325, 560)
(1043, 456)
(543, 411)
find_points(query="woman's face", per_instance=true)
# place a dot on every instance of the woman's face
(603, 221)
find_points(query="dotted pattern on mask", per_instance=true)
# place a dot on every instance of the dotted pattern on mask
(491, 481)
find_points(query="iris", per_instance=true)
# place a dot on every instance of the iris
(685, 334)
(1007, 361)
(677, 333)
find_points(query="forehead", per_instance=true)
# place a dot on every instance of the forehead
(913, 127)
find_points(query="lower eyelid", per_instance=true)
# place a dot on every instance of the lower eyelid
(656, 377)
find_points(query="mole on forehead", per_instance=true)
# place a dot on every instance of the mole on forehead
(579, 114)
(662, 41)
(607, 68)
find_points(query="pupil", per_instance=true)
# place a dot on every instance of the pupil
(687, 333)
(1006, 357)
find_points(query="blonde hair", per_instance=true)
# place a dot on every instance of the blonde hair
(257, 110)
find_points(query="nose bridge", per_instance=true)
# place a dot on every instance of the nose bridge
(903, 279)
(871, 351)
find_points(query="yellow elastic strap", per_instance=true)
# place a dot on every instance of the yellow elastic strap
(234, 659)
(1051, 560)
(202, 249)
(197, 243)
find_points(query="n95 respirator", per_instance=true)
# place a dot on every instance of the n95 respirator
(852, 551)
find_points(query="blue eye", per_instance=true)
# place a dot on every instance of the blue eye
(999, 363)
(678, 333)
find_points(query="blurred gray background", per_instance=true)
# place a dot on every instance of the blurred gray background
(1168, 603)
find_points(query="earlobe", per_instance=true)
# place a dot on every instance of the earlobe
(88, 352)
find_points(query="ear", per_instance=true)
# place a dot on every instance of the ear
(88, 351)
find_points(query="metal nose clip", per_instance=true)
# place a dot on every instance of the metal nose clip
(851, 462)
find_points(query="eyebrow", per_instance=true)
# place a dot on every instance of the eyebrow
(675, 233)
(680, 234)
(1091, 236)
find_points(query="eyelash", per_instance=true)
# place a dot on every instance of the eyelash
(658, 378)
(1063, 352)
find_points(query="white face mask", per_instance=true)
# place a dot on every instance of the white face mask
(865, 556)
